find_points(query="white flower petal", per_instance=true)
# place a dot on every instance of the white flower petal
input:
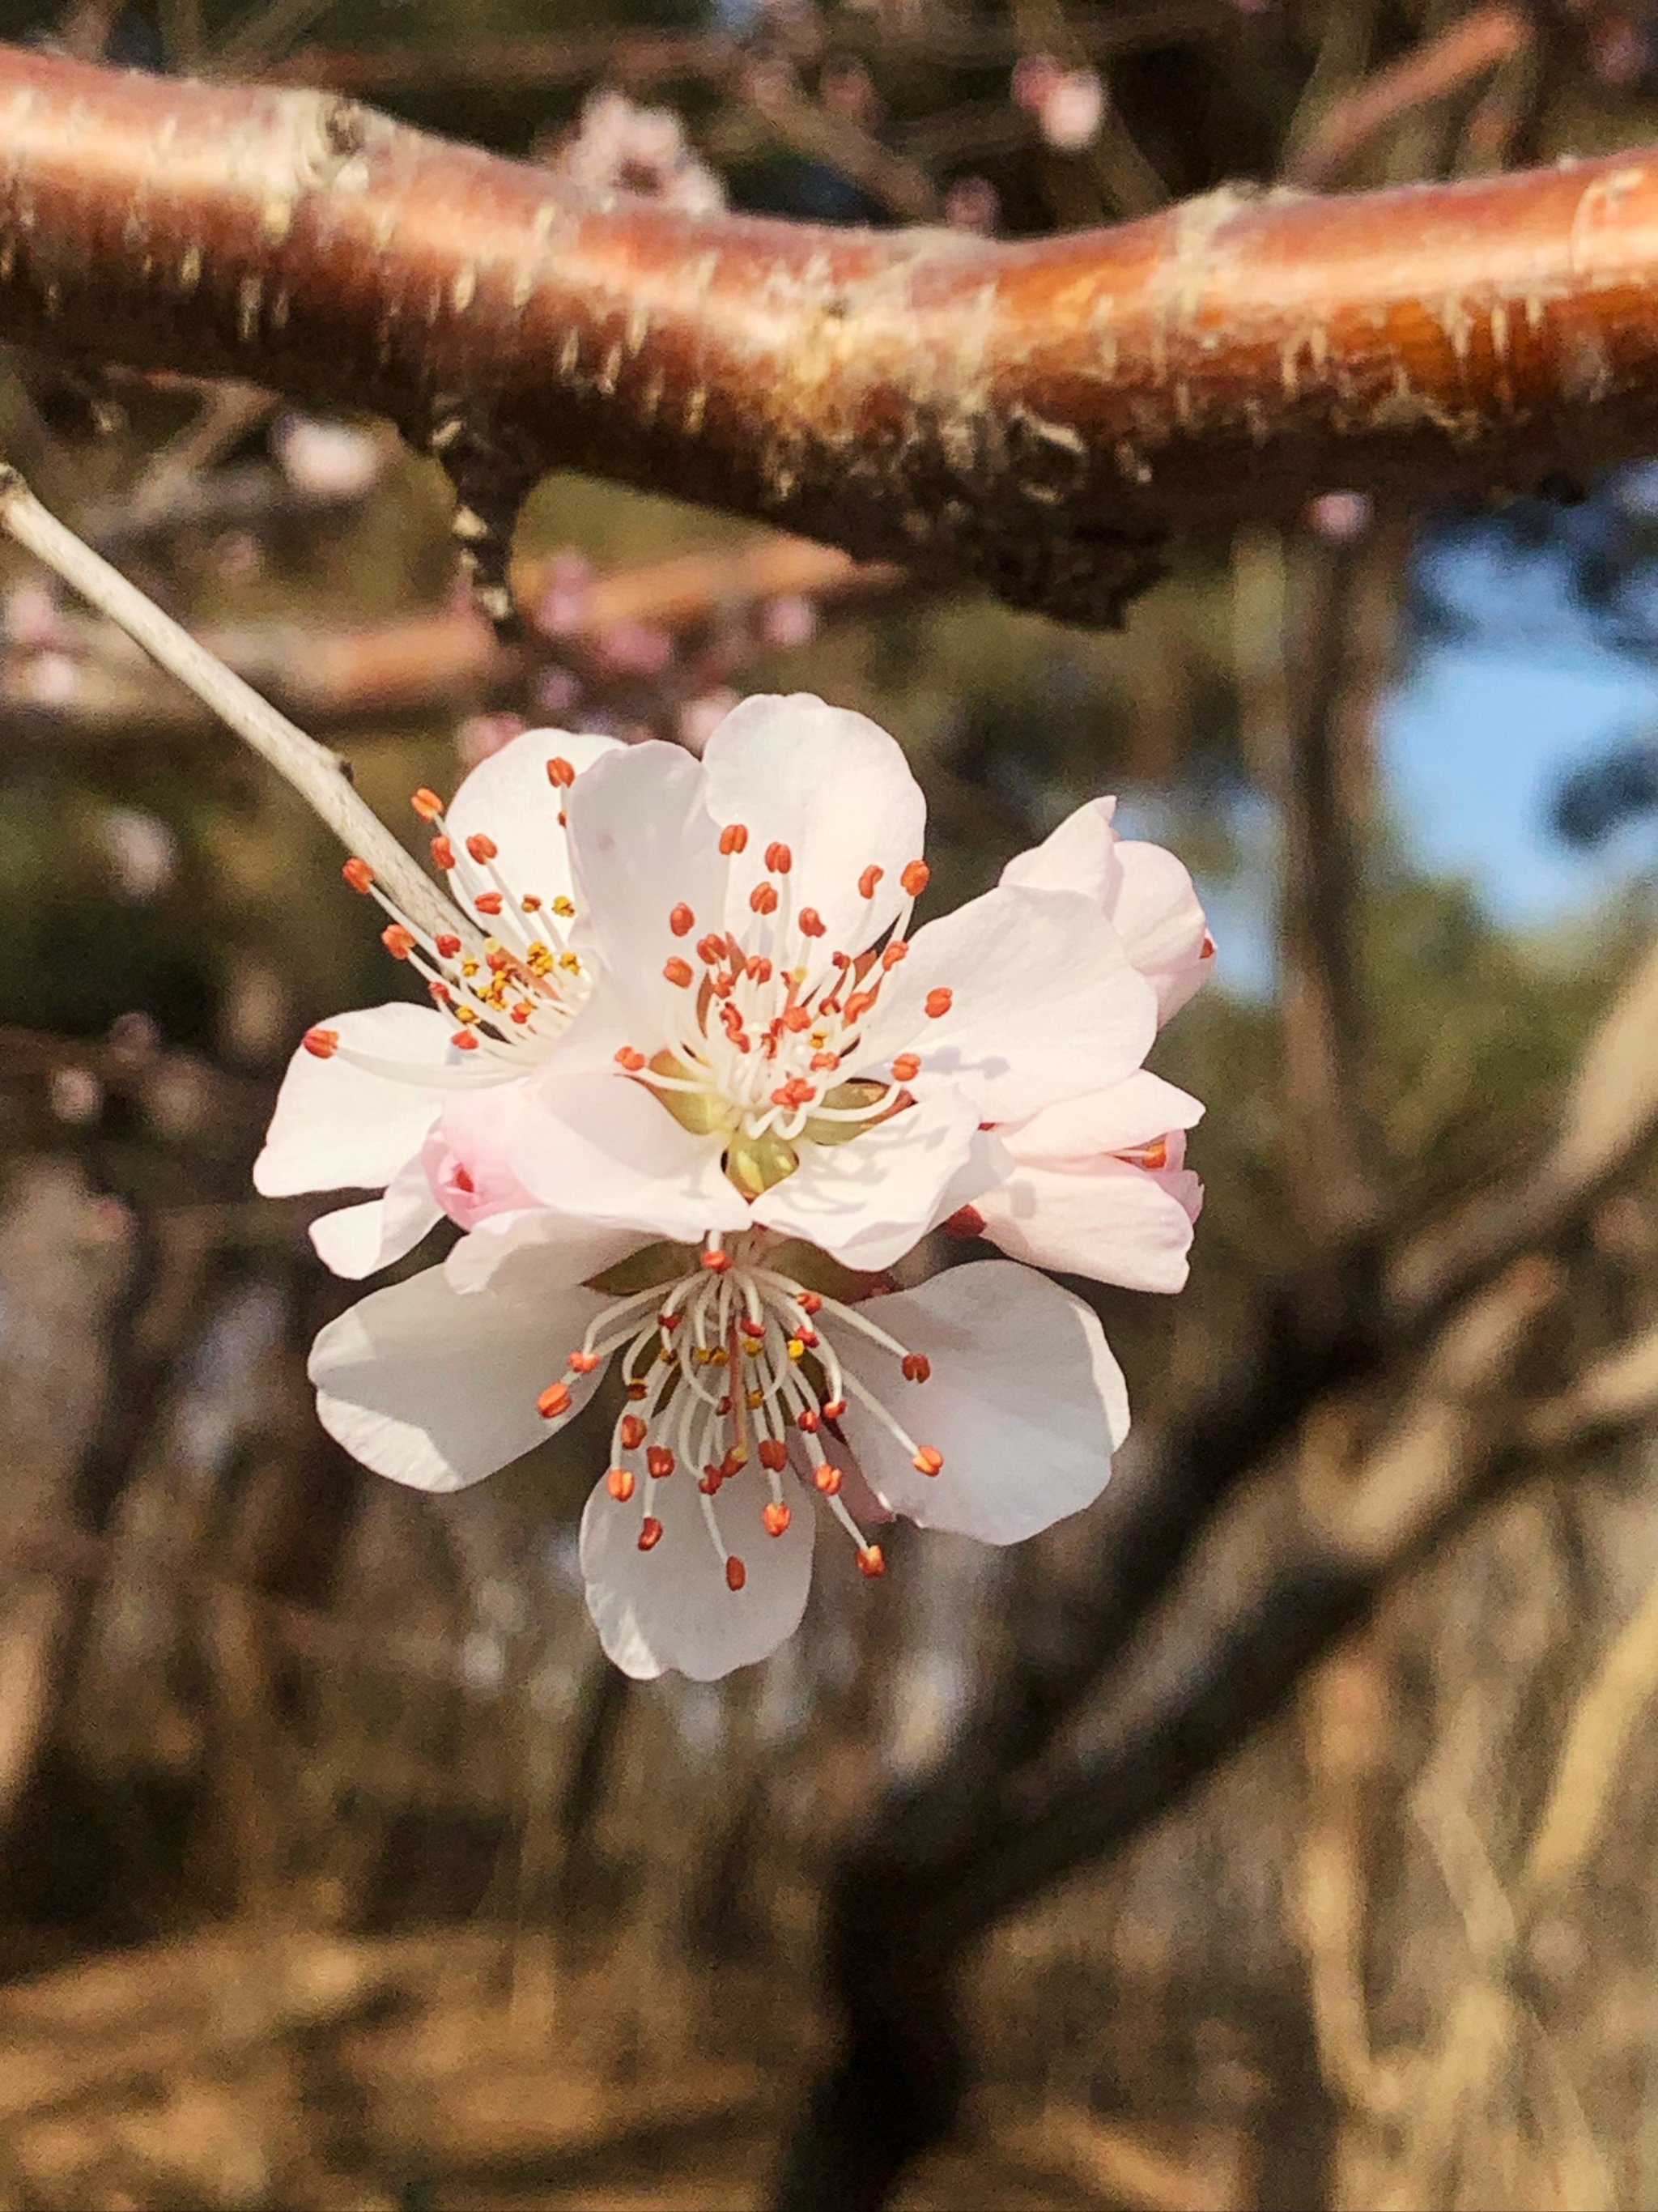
(1025, 1402)
(509, 1249)
(437, 1388)
(670, 1607)
(1113, 1222)
(509, 798)
(1043, 1003)
(336, 1126)
(355, 1241)
(1079, 856)
(867, 1202)
(834, 788)
(1135, 1111)
(600, 1147)
(1161, 921)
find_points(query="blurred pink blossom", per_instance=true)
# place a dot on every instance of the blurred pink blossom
(617, 146)
(329, 461)
(635, 648)
(973, 203)
(480, 735)
(788, 620)
(700, 718)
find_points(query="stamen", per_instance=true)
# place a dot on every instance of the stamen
(359, 875)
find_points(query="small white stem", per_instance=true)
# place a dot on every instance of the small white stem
(319, 775)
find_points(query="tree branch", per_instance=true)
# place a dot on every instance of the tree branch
(1036, 416)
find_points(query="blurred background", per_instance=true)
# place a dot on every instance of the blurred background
(337, 1869)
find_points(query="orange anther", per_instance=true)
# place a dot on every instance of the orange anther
(481, 847)
(530, 903)
(448, 946)
(1208, 950)
(677, 971)
(358, 874)
(810, 1303)
(711, 951)
(488, 903)
(659, 1462)
(582, 1362)
(870, 1564)
(443, 853)
(937, 1003)
(716, 1262)
(709, 1480)
(681, 920)
(560, 772)
(763, 899)
(464, 1041)
(796, 1018)
(858, 1005)
(907, 1065)
(398, 941)
(774, 1454)
(632, 1432)
(757, 970)
(896, 951)
(916, 1367)
(554, 1401)
(733, 838)
(811, 922)
(440, 992)
(926, 1461)
(650, 1533)
(833, 1408)
(620, 1484)
(914, 878)
(779, 858)
(426, 804)
(632, 1060)
(868, 880)
(827, 1480)
(776, 1518)
(320, 1043)
(825, 1062)
(735, 1573)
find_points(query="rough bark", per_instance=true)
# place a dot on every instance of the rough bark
(1034, 417)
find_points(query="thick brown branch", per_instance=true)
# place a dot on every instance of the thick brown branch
(1036, 415)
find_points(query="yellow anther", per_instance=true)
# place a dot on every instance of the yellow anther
(464, 1014)
(719, 1355)
(470, 967)
(562, 907)
(756, 1399)
(797, 1350)
(568, 960)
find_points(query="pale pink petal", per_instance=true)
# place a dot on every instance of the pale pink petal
(437, 1388)
(1080, 855)
(866, 1203)
(834, 788)
(671, 1608)
(509, 798)
(1113, 1222)
(356, 1241)
(510, 1251)
(1135, 1111)
(1043, 1003)
(1160, 920)
(1025, 1401)
(339, 1127)
(473, 1187)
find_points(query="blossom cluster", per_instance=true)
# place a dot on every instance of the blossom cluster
(691, 1087)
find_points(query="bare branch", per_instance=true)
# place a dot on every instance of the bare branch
(1037, 416)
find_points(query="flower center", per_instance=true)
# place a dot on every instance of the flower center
(509, 991)
(730, 1363)
(771, 1016)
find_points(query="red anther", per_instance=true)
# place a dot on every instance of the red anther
(488, 903)
(926, 1461)
(637, 1391)
(735, 1573)
(560, 772)
(966, 1221)
(916, 1367)
(426, 804)
(650, 1533)
(774, 1454)
(776, 1518)
(779, 858)
(811, 922)
(709, 1480)
(530, 903)
(677, 971)
(443, 853)
(897, 951)
(809, 1337)
(810, 1303)
(750, 1327)
(914, 878)
(757, 969)
(632, 1060)
(733, 838)
(716, 1262)
(735, 1460)
(440, 992)
(906, 1067)
(870, 1564)
(824, 1062)
(796, 1018)
(398, 941)
(320, 1043)
(833, 1408)
(447, 947)
(358, 874)
(582, 1362)
(620, 1484)
(669, 1321)
(554, 1401)
(1208, 948)
(806, 1419)
(522, 1013)
(681, 920)
(498, 962)
(481, 847)
(1154, 1156)
(938, 1003)
(659, 1463)
(464, 1181)
(711, 951)
(632, 1432)
(464, 1041)
(827, 1478)
(868, 880)
(763, 899)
